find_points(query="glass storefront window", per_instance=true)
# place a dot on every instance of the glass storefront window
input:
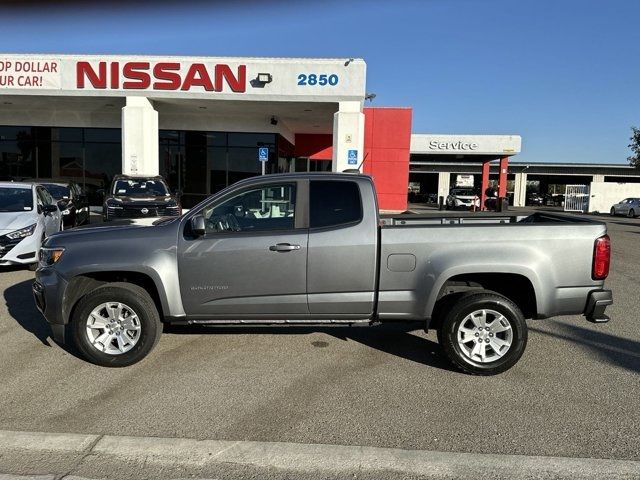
(103, 135)
(87, 156)
(202, 163)
(12, 133)
(218, 178)
(67, 134)
(197, 163)
(254, 140)
(17, 159)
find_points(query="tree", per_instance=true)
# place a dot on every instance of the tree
(634, 160)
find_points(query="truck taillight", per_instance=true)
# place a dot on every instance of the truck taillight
(601, 258)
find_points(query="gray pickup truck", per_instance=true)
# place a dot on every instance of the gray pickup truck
(313, 249)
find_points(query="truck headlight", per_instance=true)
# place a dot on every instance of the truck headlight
(114, 203)
(49, 256)
(23, 232)
(66, 212)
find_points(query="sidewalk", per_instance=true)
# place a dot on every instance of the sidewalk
(76, 456)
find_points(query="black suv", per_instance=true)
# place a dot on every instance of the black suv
(72, 202)
(140, 197)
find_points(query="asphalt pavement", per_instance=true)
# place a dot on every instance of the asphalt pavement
(573, 394)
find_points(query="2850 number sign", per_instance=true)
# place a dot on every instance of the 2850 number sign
(313, 79)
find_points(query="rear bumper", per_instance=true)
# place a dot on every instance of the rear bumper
(597, 302)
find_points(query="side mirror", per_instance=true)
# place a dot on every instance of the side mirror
(198, 226)
(39, 209)
(100, 191)
(50, 208)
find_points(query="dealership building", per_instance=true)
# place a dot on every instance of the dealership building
(205, 123)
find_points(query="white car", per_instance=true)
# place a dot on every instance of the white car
(462, 198)
(629, 207)
(28, 214)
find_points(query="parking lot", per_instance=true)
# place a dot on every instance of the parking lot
(574, 393)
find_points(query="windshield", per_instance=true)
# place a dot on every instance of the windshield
(57, 191)
(15, 199)
(140, 187)
(462, 192)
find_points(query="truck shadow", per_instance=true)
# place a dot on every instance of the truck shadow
(395, 338)
(617, 351)
(22, 308)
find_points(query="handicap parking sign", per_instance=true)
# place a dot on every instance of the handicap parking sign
(263, 154)
(352, 157)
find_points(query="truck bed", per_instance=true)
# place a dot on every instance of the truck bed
(418, 253)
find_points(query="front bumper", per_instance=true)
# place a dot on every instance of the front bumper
(48, 292)
(597, 302)
(20, 251)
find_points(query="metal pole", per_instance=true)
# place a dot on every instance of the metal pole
(263, 167)
(486, 166)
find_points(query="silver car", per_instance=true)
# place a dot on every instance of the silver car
(629, 207)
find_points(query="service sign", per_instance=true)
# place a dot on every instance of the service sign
(466, 144)
(207, 77)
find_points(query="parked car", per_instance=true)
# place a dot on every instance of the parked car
(462, 198)
(312, 248)
(629, 207)
(535, 199)
(140, 197)
(554, 200)
(28, 214)
(72, 202)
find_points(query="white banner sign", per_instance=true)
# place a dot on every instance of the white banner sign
(34, 73)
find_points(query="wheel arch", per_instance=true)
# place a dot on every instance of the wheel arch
(516, 286)
(86, 282)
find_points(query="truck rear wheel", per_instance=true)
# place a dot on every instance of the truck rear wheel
(116, 325)
(483, 333)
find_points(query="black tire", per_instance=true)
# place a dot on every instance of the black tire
(612, 212)
(131, 295)
(632, 213)
(468, 303)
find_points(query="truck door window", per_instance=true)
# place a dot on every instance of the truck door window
(260, 209)
(333, 202)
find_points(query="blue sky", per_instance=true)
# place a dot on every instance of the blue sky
(564, 74)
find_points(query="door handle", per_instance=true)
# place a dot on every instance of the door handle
(283, 247)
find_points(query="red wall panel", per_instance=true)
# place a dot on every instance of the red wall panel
(314, 146)
(387, 144)
(387, 138)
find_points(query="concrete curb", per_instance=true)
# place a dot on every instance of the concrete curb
(200, 455)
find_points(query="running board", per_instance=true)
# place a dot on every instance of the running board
(364, 321)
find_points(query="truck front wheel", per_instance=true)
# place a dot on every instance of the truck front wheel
(483, 333)
(116, 325)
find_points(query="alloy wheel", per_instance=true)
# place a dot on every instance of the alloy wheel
(113, 328)
(484, 336)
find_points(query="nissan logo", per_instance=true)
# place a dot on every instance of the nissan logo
(144, 211)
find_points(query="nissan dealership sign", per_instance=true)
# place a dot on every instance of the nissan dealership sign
(253, 78)
(499, 145)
